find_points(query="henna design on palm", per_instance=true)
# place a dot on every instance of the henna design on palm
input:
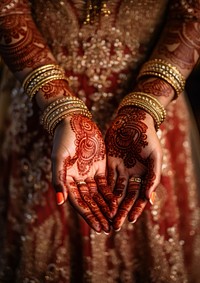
(127, 136)
(89, 143)
(127, 140)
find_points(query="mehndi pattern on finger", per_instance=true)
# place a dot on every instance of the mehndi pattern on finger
(120, 187)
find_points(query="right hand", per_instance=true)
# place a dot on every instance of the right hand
(134, 153)
(78, 167)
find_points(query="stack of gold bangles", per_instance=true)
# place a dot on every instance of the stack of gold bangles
(164, 70)
(148, 103)
(41, 76)
(62, 108)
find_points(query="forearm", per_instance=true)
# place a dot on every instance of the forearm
(24, 49)
(179, 45)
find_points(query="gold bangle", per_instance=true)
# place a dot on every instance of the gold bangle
(62, 116)
(43, 82)
(59, 103)
(37, 72)
(147, 102)
(62, 108)
(164, 70)
(40, 76)
(37, 79)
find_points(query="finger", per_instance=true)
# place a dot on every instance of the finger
(79, 204)
(85, 194)
(111, 177)
(106, 193)
(138, 207)
(97, 197)
(153, 175)
(59, 179)
(126, 205)
(120, 187)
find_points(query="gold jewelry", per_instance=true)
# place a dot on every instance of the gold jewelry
(147, 102)
(36, 72)
(164, 70)
(41, 76)
(135, 179)
(95, 8)
(60, 105)
(60, 109)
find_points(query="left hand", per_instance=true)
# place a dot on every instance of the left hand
(134, 157)
(78, 169)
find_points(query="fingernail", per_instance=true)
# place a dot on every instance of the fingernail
(106, 233)
(98, 233)
(132, 222)
(59, 198)
(152, 198)
(117, 230)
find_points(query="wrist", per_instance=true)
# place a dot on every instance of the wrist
(51, 92)
(168, 82)
(146, 102)
(61, 108)
(157, 88)
(46, 83)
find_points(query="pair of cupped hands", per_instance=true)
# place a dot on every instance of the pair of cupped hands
(107, 181)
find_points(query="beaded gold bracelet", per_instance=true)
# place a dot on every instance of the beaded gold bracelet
(41, 76)
(148, 103)
(62, 108)
(164, 70)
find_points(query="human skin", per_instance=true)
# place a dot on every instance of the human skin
(179, 45)
(23, 49)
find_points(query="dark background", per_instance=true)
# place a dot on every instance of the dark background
(193, 93)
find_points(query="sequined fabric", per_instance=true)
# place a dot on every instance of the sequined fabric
(42, 242)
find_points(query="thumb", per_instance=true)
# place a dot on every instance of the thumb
(153, 173)
(59, 178)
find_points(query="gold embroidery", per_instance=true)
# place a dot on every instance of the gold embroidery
(101, 62)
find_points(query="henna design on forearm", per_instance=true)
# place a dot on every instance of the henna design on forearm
(21, 44)
(180, 41)
(89, 144)
(55, 88)
(181, 44)
(127, 136)
(155, 86)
